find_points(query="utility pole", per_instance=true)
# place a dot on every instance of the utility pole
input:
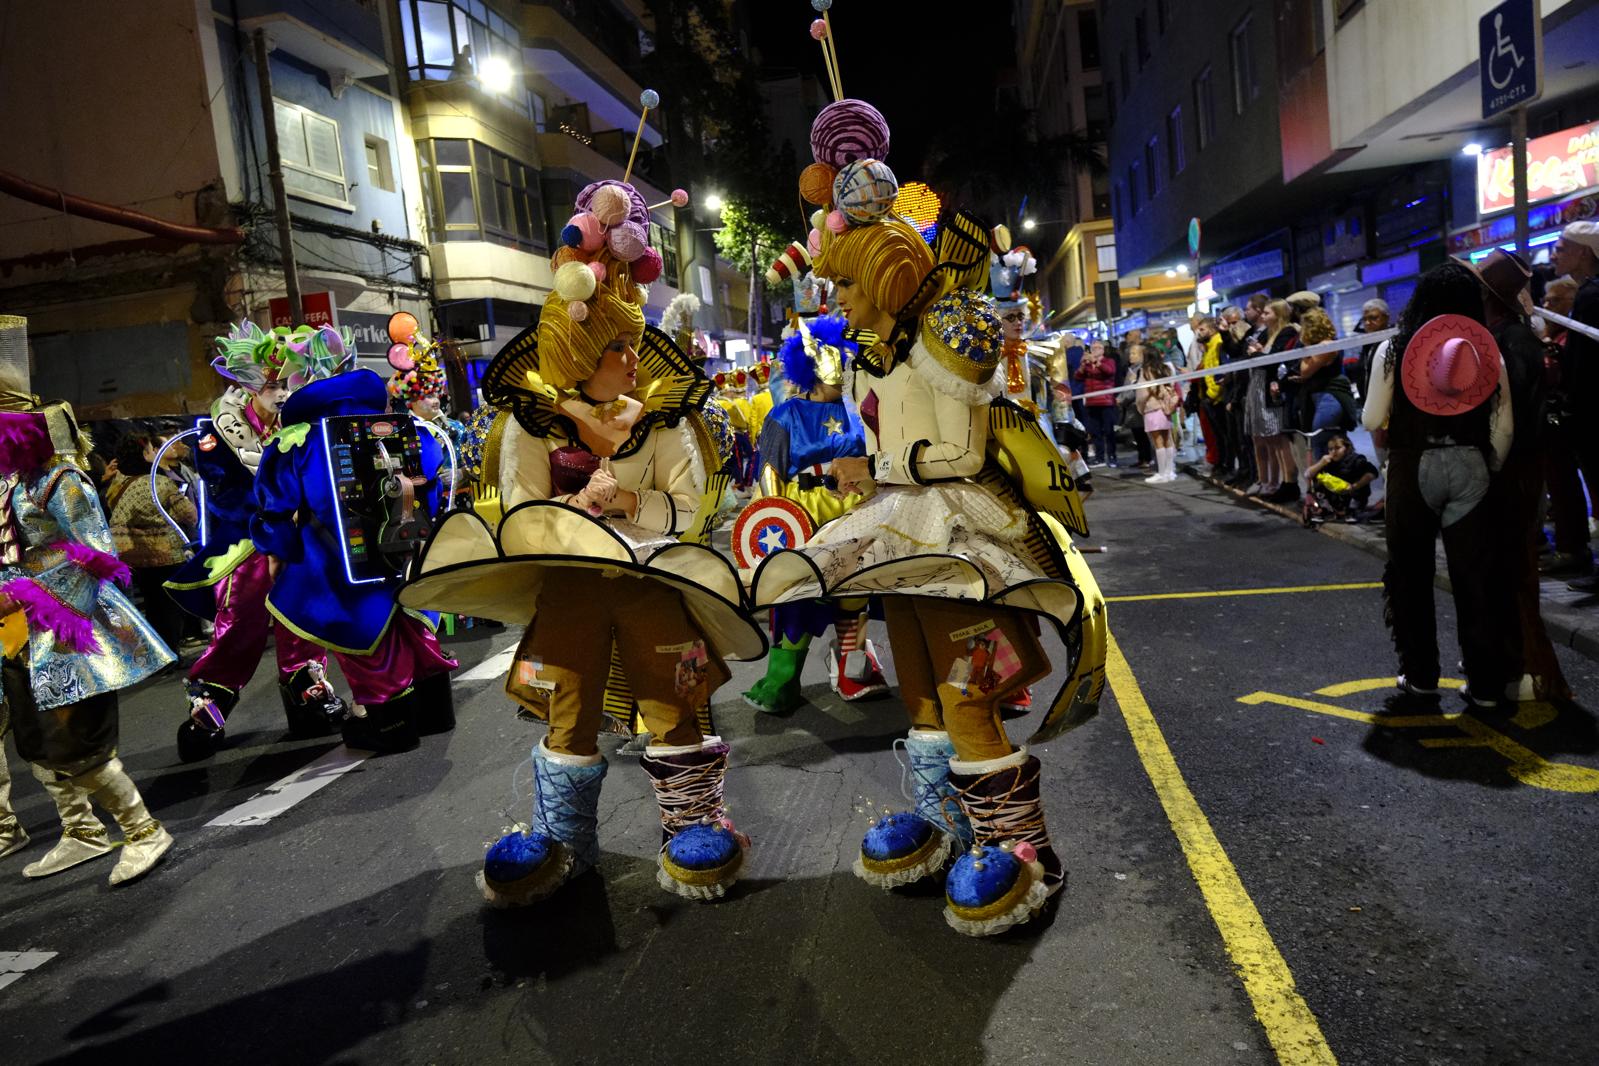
(1518, 153)
(280, 198)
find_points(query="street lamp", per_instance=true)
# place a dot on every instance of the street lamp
(496, 75)
(1472, 149)
(712, 201)
(1029, 224)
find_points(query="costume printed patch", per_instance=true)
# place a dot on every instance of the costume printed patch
(676, 649)
(527, 675)
(990, 658)
(208, 442)
(693, 667)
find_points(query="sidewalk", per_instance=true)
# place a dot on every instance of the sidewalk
(1572, 618)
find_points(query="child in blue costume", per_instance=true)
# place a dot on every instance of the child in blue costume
(227, 580)
(387, 655)
(799, 440)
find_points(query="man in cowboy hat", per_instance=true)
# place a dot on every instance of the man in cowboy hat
(1576, 255)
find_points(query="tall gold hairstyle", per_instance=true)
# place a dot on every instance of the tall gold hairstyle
(569, 352)
(888, 259)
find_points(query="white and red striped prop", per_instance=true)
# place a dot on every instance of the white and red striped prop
(795, 260)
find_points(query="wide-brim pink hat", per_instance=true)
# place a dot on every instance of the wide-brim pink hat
(1450, 366)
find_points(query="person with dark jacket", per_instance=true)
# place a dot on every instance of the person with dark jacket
(1576, 254)
(1515, 492)
(1441, 391)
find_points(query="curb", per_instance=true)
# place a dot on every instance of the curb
(1577, 629)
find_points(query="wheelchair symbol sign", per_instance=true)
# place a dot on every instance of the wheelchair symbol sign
(1510, 47)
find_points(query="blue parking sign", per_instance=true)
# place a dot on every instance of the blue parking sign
(1510, 47)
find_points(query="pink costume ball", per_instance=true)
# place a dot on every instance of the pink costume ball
(818, 30)
(813, 243)
(598, 270)
(628, 241)
(609, 205)
(836, 221)
(679, 197)
(847, 130)
(647, 267)
(577, 312)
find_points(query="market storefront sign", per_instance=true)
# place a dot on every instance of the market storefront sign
(1557, 165)
(1237, 273)
(1503, 228)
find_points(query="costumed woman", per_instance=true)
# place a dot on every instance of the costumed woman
(952, 537)
(69, 638)
(336, 551)
(418, 385)
(800, 439)
(604, 481)
(227, 580)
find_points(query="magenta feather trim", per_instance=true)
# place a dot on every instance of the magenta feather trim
(100, 564)
(24, 442)
(44, 611)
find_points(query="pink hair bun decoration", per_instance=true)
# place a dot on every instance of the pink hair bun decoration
(818, 30)
(847, 130)
(836, 221)
(577, 312)
(400, 357)
(679, 197)
(628, 241)
(610, 205)
(813, 242)
(598, 270)
(647, 267)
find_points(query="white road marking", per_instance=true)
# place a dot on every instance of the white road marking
(494, 666)
(277, 798)
(15, 964)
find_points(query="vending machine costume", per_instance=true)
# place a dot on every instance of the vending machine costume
(227, 580)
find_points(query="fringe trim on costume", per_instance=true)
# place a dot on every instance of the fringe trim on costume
(928, 867)
(709, 892)
(102, 565)
(952, 386)
(696, 464)
(1025, 910)
(509, 461)
(539, 885)
(72, 630)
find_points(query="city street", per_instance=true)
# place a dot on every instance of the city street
(1267, 864)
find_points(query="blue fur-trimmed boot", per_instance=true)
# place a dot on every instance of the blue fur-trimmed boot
(1012, 870)
(701, 852)
(527, 865)
(905, 847)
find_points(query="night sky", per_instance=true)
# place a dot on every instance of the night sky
(921, 72)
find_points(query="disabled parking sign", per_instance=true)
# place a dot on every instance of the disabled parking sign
(1510, 51)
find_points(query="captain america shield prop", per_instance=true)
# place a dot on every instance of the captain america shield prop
(769, 524)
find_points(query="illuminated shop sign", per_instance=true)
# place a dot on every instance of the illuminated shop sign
(1557, 165)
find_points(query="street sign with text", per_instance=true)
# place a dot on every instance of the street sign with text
(1510, 51)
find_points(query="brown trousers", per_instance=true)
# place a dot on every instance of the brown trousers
(932, 645)
(671, 668)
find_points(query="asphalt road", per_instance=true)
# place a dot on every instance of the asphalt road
(1421, 889)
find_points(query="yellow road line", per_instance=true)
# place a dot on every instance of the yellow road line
(1245, 592)
(1290, 1026)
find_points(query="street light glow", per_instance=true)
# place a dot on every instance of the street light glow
(1029, 224)
(1472, 149)
(1182, 268)
(713, 201)
(496, 75)
(1171, 273)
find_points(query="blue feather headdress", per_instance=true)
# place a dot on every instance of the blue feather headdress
(816, 352)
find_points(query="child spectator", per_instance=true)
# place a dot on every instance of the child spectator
(1340, 482)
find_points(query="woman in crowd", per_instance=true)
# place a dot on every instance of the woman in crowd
(1127, 403)
(1326, 402)
(1095, 373)
(1266, 407)
(1441, 391)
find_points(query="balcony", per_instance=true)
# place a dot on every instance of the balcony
(576, 63)
(582, 155)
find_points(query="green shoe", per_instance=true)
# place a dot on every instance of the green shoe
(779, 691)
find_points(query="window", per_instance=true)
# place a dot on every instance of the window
(1141, 39)
(1088, 39)
(1132, 190)
(1204, 108)
(1162, 16)
(379, 167)
(1116, 205)
(474, 193)
(1110, 103)
(1105, 252)
(1152, 166)
(664, 240)
(1094, 114)
(447, 39)
(1174, 141)
(1126, 77)
(313, 165)
(1245, 85)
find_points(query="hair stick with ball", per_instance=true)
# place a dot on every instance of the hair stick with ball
(647, 99)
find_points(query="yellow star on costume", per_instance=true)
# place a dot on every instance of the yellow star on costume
(833, 426)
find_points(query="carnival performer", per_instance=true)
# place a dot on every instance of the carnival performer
(802, 436)
(303, 523)
(730, 396)
(961, 535)
(69, 638)
(418, 385)
(604, 479)
(227, 580)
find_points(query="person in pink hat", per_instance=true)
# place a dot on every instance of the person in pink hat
(1440, 395)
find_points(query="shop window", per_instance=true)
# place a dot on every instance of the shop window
(313, 163)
